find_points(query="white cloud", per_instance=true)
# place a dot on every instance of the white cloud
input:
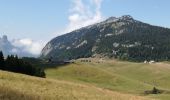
(84, 14)
(14, 50)
(27, 46)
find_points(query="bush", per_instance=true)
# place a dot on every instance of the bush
(154, 91)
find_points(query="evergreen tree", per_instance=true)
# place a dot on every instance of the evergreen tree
(15, 64)
(2, 62)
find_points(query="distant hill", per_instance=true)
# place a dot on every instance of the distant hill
(123, 38)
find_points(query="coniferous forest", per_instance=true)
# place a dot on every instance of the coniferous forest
(14, 64)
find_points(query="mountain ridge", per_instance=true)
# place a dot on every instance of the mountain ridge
(114, 37)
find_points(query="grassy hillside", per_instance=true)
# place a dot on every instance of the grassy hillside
(124, 77)
(22, 87)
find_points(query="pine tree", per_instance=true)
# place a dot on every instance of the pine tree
(2, 62)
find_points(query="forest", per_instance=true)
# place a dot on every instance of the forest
(15, 64)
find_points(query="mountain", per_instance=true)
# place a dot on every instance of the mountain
(123, 38)
(5, 45)
(9, 48)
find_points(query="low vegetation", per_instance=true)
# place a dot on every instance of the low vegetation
(154, 91)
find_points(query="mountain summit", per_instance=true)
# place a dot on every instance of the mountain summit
(123, 38)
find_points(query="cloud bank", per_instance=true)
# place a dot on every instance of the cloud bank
(20, 47)
(27, 46)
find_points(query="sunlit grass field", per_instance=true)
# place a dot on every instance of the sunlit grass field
(15, 86)
(123, 77)
(94, 79)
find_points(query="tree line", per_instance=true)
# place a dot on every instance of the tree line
(14, 64)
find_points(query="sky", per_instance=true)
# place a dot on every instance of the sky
(32, 23)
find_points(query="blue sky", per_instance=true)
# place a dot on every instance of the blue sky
(32, 18)
(42, 20)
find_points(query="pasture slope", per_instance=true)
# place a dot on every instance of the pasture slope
(15, 86)
(120, 76)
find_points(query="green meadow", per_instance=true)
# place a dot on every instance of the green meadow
(90, 79)
(124, 77)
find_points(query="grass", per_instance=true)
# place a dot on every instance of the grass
(124, 77)
(95, 80)
(15, 86)
(88, 74)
